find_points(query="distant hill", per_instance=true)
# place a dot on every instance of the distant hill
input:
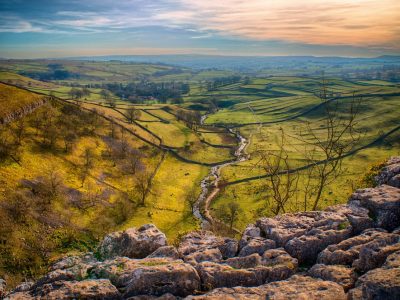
(241, 62)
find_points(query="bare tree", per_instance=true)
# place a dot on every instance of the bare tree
(191, 199)
(230, 213)
(19, 129)
(333, 140)
(108, 98)
(133, 114)
(88, 160)
(143, 186)
(281, 180)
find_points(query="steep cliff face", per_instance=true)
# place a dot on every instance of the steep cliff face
(16, 102)
(20, 112)
(348, 251)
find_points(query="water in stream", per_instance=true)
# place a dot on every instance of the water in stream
(210, 182)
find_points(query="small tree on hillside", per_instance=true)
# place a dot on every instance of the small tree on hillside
(333, 140)
(281, 181)
(191, 199)
(133, 114)
(230, 213)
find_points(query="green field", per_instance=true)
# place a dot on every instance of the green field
(260, 107)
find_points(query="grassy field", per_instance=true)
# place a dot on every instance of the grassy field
(13, 99)
(379, 113)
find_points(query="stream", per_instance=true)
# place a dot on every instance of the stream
(209, 185)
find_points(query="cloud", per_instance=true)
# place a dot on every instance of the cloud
(17, 25)
(330, 22)
(359, 23)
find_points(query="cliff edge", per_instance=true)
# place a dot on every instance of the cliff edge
(349, 251)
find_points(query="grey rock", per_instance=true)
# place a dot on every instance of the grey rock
(347, 251)
(380, 284)
(149, 276)
(342, 275)
(199, 241)
(296, 287)
(383, 203)
(133, 243)
(390, 173)
(250, 270)
(304, 235)
(86, 289)
(255, 245)
(307, 247)
(166, 251)
(374, 253)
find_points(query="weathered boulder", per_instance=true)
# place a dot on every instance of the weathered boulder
(256, 245)
(133, 243)
(342, 275)
(251, 231)
(380, 283)
(296, 287)
(149, 276)
(199, 241)
(68, 268)
(383, 203)
(166, 251)
(347, 251)
(356, 214)
(278, 256)
(250, 270)
(390, 174)
(74, 260)
(392, 261)
(307, 247)
(86, 289)
(364, 252)
(304, 235)
(212, 254)
(214, 275)
(374, 253)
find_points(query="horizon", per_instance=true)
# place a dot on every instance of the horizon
(64, 29)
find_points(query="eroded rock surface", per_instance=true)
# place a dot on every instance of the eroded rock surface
(133, 242)
(383, 203)
(356, 247)
(297, 287)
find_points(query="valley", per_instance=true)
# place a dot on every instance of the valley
(115, 145)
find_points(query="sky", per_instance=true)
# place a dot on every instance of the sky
(57, 28)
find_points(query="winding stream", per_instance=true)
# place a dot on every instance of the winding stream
(209, 185)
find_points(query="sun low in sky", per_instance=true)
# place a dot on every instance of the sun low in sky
(60, 28)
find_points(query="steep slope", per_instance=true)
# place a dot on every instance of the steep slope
(349, 251)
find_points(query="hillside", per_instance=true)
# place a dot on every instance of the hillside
(15, 102)
(68, 176)
(349, 251)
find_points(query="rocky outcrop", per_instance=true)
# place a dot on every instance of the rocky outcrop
(23, 111)
(349, 251)
(380, 283)
(390, 174)
(149, 276)
(133, 243)
(342, 275)
(297, 287)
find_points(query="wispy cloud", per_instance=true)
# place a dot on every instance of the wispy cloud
(17, 25)
(330, 22)
(360, 23)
